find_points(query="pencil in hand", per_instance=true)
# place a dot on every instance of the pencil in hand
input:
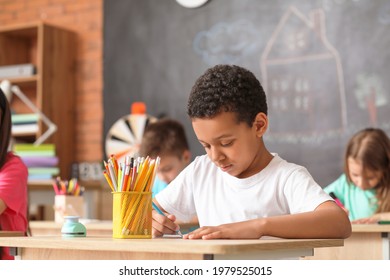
(155, 207)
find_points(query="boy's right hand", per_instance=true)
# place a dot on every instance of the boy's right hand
(163, 224)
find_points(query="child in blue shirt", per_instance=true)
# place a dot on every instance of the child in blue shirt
(166, 138)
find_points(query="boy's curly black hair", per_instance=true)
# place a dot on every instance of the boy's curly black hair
(227, 88)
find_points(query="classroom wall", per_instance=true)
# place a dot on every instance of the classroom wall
(150, 56)
(323, 65)
(85, 18)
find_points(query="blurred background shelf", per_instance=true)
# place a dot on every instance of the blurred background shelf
(51, 87)
(48, 185)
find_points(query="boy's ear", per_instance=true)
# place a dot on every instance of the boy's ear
(187, 156)
(260, 124)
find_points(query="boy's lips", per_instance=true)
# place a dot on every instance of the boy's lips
(225, 167)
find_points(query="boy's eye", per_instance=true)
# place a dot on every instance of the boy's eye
(227, 144)
(166, 169)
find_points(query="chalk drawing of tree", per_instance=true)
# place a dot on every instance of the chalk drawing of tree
(370, 95)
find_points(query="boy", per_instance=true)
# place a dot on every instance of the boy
(166, 138)
(239, 189)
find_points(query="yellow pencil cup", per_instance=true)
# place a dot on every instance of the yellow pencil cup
(132, 215)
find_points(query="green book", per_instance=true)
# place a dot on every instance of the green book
(18, 147)
(43, 170)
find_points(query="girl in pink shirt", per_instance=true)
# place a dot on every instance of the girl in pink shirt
(13, 181)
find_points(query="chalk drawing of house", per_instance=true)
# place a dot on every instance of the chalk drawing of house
(303, 78)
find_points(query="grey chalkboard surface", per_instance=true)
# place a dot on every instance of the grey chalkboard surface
(324, 65)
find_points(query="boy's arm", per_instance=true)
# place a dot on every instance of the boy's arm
(326, 221)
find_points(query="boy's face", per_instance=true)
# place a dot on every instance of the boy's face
(234, 147)
(171, 165)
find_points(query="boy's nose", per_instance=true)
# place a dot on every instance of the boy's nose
(216, 155)
(162, 177)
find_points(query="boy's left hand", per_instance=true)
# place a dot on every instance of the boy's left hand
(241, 230)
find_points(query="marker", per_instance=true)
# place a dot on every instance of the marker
(155, 207)
(384, 222)
(338, 202)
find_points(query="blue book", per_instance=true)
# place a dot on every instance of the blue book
(24, 118)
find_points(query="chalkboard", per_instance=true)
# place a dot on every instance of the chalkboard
(324, 65)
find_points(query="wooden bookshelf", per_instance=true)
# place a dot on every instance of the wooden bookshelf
(51, 50)
(48, 185)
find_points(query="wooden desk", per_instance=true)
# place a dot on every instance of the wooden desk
(105, 248)
(94, 227)
(6, 233)
(39, 228)
(367, 242)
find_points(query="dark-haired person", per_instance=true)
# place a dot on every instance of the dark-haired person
(13, 181)
(239, 190)
(166, 139)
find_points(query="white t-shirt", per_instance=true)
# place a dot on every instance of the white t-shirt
(218, 198)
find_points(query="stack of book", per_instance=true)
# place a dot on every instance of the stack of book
(24, 124)
(17, 70)
(41, 160)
